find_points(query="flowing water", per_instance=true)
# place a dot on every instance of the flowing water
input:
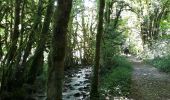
(77, 84)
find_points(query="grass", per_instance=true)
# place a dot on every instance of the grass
(162, 63)
(116, 81)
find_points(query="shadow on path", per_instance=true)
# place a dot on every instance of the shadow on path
(148, 83)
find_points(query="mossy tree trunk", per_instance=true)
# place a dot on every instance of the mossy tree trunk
(6, 84)
(34, 30)
(58, 46)
(38, 59)
(94, 94)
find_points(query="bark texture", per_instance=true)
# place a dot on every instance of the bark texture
(56, 70)
(94, 87)
(37, 63)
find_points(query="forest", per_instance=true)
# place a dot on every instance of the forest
(84, 49)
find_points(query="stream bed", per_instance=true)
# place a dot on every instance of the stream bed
(77, 84)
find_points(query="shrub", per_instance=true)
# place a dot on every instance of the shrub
(161, 63)
(116, 82)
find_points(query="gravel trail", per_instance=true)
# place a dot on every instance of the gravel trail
(148, 83)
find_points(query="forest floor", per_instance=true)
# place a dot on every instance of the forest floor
(148, 83)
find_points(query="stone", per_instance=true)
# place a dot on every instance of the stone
(77, 95)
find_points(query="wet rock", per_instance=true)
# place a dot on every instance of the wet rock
(77, 95)
(67, 85)
(80, 72)
(77, 79)
(88, 85)
(65, 89)
(86, 88)
(68, 97)
(87, 81)
(84, 94)
(68, 80)
(87, 76)
(72, 88)
(76, 84)
(81, 88)
(69, 75)
(81, 82)
(73, 75)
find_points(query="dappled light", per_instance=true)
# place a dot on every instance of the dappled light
(84, 49)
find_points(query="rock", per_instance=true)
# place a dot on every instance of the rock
(86, 88)
(81, 82)
(72, 88)
(68, 80)
(81, 88)
(88, 85)
(68, 97)
(77, 95)
(69, 75)
(76, 84)
(68, 87)
(84, 93)
(80, 72)
(87, 76)
(87, 81)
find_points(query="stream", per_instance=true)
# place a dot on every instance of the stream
(77, 84)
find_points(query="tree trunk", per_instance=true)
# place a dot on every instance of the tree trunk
(56, 70)
(1, 51)
(37, 63)
(94, 87)
(31, 40)
(6, 77)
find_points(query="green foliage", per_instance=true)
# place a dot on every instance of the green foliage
(161, 63)
(18, 94)
(116, 81)
(164, 25)
(112, 40)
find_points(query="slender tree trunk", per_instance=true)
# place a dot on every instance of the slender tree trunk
(70, 45)
(6, 77)
(56, 70)
(37, 63)
(15, 33)
(31, 40)
(94, 87)
(84, 30)
(1, 51)
(17, 73)
(117, 17)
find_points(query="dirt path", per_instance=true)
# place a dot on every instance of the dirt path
(148, 83)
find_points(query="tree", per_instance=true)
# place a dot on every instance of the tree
(94, 87)
(58, 46)
(31, 40)
(6, 80)
(37, 63)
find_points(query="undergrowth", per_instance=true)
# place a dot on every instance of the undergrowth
(116, 81)
(162, 63)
